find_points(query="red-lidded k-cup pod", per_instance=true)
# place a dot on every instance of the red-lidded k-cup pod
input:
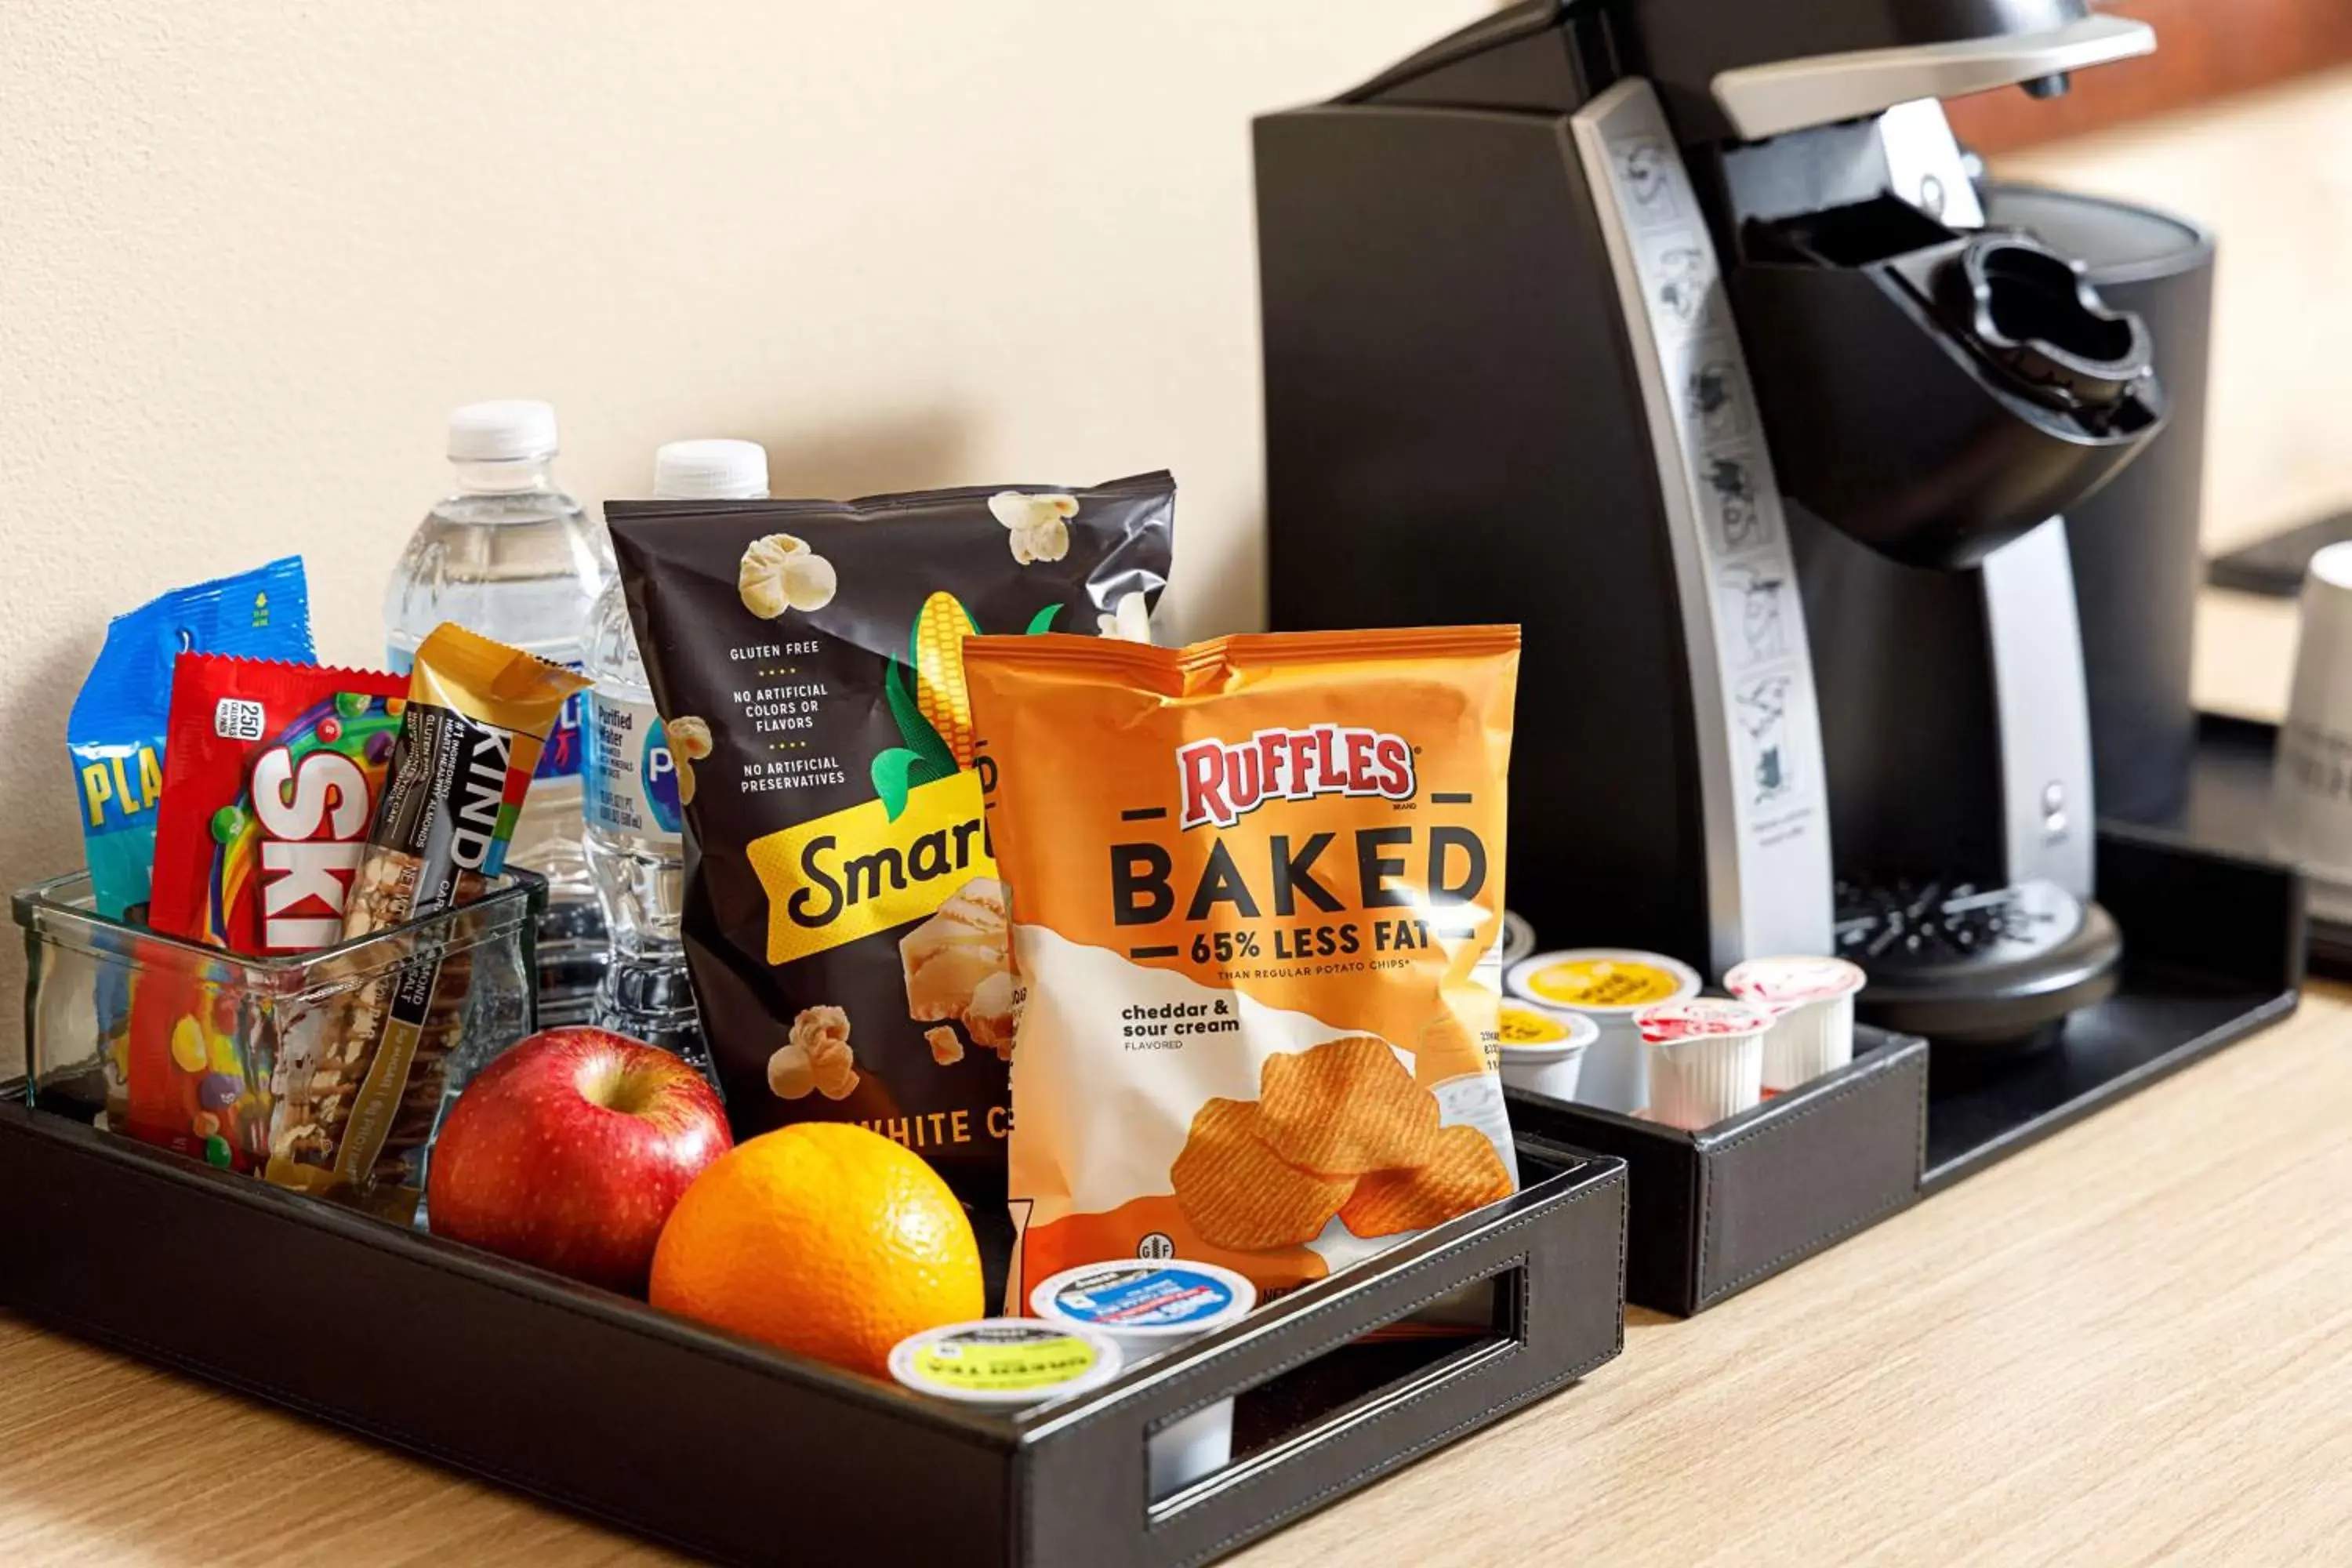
(1707, 1059)
(1811, 1000)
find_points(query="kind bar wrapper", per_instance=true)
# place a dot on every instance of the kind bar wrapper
(476, 714)
(1256, 899)
(270, 778)
(843, 918)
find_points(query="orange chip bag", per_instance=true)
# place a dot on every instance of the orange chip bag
(1255, 900)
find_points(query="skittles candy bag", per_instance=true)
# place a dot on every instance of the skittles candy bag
(271, 779)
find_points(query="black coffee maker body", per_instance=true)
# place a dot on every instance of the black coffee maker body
(1671, 331)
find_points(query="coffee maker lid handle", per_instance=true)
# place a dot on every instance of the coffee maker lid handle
(1771, 100)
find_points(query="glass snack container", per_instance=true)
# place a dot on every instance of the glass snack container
(230, 1082)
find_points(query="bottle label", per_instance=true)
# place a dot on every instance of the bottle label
(562, 753)
(629, 784)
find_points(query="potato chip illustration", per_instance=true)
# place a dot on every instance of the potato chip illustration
(1238, 1193)
(1345, 1108)
(1464, 1172)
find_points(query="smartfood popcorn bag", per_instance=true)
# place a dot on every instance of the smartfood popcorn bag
(1256, 894)
(842, 916)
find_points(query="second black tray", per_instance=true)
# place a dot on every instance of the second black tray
(2230, 808)
(2214, 950)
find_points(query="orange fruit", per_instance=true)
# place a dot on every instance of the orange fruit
(824, 1240)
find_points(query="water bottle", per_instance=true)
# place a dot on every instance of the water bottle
(634, 852)
(509, 555)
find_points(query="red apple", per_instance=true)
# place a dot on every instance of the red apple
(569, 1151)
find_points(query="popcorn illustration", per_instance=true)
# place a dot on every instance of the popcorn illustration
(1038, 524)
(815, 1057)
(779, 572)
(689, 743)
(1129, 620)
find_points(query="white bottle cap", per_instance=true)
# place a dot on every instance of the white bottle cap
(711, 471)
(501, 432)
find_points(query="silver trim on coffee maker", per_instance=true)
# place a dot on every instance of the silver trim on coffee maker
(1820, 90)
(1763, 793)
(2042, 709)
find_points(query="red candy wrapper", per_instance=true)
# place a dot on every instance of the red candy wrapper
(270, 777)
(270, 774)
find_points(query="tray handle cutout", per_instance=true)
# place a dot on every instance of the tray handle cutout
(1291, 1415)
(1340, 1382)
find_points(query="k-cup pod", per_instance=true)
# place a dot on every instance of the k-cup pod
(1608, 986)
(1544, 1047)
(1707, 1059)
(2311, 783)
(1006, 1363)
(1149, 1309)
(1518, 937)
(1812, 1004)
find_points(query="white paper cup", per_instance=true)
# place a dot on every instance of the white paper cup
(1149, 1308)
(2310, 784)
(1005, 1362)
(1518, 938)
(1608, 986)
(1543, 1048)
(1812, 1004)
(1707, 1059)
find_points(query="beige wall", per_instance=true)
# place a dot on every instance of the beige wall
(249, 253)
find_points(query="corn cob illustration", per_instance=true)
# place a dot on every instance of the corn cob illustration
(939, 690)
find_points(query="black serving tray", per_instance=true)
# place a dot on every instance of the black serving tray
(2213, 950)
(1717, 1211)
(738, 1452)
(2230, 808)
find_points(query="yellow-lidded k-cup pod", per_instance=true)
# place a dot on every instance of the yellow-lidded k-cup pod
(1006, 1362)
(1149, 1309)
(1608, 986)
(1811, 1003)
(1543, 1048)
(1707, 1059)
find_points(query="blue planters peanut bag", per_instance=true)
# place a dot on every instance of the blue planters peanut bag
(115, 732)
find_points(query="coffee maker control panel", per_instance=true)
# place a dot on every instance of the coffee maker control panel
(1763, 795)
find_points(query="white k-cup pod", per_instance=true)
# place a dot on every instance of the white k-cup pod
(1812, 1004)
(1608, 986)
(2311, 783)
(1150, 1309)
(1543, 1048)
(1518, 937)
(1006, 1363)
(1707, 1059)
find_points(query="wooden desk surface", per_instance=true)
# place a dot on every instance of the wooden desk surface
(2130, 1343)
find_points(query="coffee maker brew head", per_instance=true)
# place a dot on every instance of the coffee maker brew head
(1745, 70)
(1931, 389)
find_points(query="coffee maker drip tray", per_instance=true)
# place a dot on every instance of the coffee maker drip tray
(1976, 966)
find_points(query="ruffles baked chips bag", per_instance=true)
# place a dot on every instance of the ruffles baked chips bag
(843, 919)
(1255, 890)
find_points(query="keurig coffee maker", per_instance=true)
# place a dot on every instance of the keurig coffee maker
(1674, 331)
